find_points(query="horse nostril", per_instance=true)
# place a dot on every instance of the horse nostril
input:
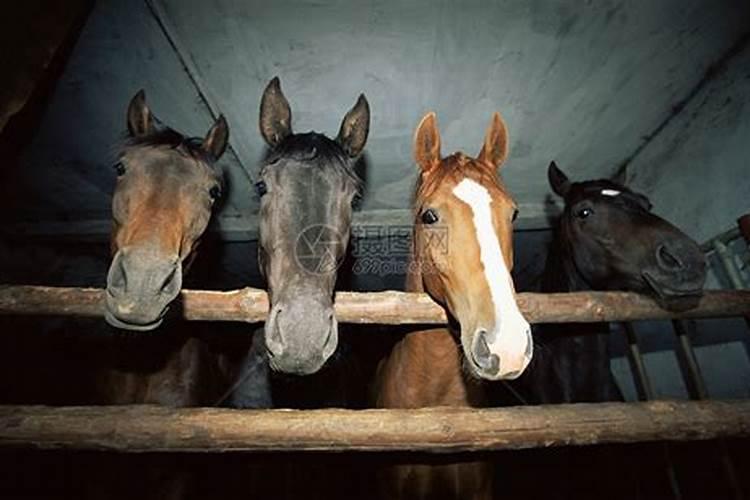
(668, 260)
(331, 326)
(275, 337)
(483, 357)
(118, 280)
(169, 283)
(482, 350)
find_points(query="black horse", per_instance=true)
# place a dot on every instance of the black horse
(607, 239)
(307, 185)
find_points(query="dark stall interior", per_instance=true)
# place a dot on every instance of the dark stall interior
(655, 94)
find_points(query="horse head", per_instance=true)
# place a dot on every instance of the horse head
(307, 186)
(167, 186)
(463, 249)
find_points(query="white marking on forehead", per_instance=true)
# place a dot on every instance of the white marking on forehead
(498, 278)
(610, 192)
(511, 338)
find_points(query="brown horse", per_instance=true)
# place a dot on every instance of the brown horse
(462, 254)
(166, 188)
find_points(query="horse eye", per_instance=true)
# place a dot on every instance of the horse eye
(584, 213)
(119, 169)
(215, 193)
(429, 216)
(356, 200)
(261, 188)
(515, 215)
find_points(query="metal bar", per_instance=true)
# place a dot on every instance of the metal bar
(725, 237)
(646, 392)
(699, 392)
(640, 376)
(729, 266)
(697, 384)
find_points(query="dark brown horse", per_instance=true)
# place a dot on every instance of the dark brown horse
(307, 186)
(462, 254)
(607, 239)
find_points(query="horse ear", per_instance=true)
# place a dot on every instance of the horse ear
(620, 177)
(558, 180)
(427, 143)
(140, 118)
(495, 148)
(217, 138)
(355, 127)
(275, 114)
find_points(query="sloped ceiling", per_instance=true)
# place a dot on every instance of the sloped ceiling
(584, 83)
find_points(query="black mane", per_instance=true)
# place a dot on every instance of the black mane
(314, 149)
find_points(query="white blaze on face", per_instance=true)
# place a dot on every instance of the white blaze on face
(511, 339)
(610, 192)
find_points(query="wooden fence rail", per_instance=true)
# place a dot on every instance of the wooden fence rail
(434, 430)
(251, 305)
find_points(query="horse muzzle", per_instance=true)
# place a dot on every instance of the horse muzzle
(501, 355)
(677, 275)
(140, 287)
(300, 336)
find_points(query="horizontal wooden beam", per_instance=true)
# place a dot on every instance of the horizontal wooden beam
(245, 228)
(437, 430)
(389, 308)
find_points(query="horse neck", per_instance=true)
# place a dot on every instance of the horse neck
(560, 274)
(167, 367)
(571, 360)
(424, 368)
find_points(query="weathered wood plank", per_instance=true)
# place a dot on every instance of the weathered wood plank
(160, 429)
(390, 307)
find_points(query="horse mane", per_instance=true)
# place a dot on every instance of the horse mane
(555, 276)
(168, 138)
(317, 151)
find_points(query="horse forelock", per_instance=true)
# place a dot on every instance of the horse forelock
(452, 170)
(166, 138)
(316, 151)
(604, 190)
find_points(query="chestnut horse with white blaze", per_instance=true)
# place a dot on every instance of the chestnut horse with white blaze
(462, 255)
